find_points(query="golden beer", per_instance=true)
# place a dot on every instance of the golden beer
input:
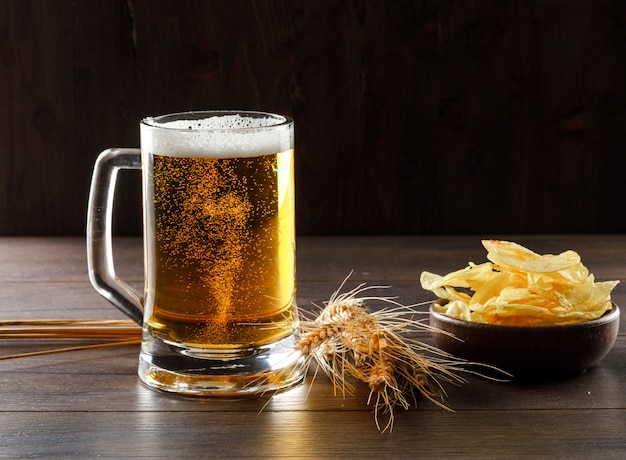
(223, 250)
(219, 304)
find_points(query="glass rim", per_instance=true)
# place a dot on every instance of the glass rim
(160, 121)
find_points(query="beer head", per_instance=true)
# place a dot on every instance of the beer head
(217, 134)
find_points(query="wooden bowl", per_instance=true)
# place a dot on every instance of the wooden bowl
(529, 351)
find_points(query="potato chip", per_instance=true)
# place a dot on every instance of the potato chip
(520, 287)
(513, 255)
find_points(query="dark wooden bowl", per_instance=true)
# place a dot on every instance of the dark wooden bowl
(529, 352)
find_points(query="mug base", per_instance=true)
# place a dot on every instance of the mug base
(272, 368)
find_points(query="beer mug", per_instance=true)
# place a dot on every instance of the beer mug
(218, 310)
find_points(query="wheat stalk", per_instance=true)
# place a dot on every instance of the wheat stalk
(124, 332)
(347, 339)
(93, 329)
(76, 348)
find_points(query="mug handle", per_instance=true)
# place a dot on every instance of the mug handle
(99, 233)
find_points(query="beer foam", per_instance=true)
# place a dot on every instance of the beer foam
(222, 122)
(223, 136)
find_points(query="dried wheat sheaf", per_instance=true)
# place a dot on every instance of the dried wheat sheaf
(382, 348)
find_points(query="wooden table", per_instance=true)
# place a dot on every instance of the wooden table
(90, 403)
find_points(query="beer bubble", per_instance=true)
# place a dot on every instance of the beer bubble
(223, 122)
(221, 136)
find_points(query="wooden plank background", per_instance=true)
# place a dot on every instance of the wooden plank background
(412, 117)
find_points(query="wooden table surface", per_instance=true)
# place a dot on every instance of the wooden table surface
(90, 403)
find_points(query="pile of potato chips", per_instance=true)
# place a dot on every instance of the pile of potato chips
(521, 288)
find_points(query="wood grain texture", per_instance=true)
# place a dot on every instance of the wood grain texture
(91, 404)
(412, 117)
(313, 435)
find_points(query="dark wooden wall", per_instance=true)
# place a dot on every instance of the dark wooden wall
(434, 116)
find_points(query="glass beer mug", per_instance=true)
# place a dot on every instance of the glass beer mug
(218, 310)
